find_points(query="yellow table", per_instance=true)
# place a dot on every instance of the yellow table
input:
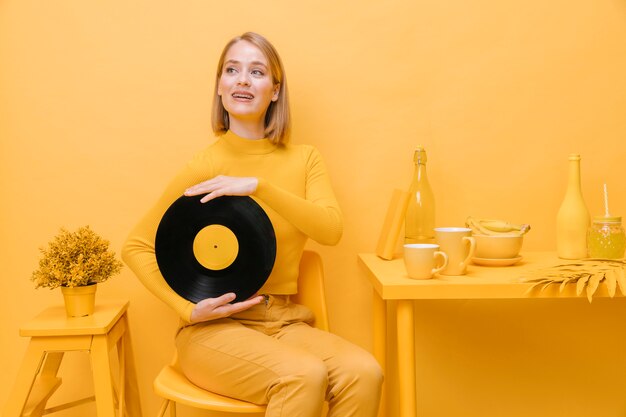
(51, 334)
(390, 282)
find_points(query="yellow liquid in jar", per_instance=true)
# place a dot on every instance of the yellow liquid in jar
(606, 241)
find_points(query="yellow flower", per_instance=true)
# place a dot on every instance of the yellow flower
(74, 259)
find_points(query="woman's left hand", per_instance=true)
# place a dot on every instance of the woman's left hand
(223, 185)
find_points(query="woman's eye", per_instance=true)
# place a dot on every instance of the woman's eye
(230, 70)
(258, 73)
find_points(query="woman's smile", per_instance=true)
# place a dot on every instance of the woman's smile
(243, 95)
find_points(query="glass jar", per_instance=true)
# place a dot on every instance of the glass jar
(606, 238)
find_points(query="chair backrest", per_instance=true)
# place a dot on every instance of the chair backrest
(311, 288)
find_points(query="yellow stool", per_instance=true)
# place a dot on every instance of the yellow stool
(52, 334)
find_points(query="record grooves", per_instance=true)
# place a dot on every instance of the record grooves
(205, 250)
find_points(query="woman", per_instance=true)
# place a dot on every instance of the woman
(262, 349)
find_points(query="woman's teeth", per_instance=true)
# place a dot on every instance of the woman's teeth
(243, 96)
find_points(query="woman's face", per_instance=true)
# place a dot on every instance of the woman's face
(246, 85)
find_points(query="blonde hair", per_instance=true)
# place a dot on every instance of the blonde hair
(277, 117)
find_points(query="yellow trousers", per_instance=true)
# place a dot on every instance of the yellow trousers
(270, 355)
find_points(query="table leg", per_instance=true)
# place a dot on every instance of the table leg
(406, 358)
(380, 344)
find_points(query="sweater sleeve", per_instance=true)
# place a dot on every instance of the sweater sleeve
(317, 215)
(138, 250)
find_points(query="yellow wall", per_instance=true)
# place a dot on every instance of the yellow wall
(101, 102)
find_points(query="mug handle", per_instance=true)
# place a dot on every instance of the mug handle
(444, 256)
(472, 248)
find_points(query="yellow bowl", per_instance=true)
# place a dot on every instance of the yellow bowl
(497, 246)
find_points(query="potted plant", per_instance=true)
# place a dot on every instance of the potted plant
(76, 262)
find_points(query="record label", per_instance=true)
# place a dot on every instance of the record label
(205, 250)
(215, 247)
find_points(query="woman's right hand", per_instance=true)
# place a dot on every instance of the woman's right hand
(217, 308)
(223, 185)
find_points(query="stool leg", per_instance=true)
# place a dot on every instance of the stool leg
(131, 394)
(31, 364)
(103, 385)
(48, 373)
(122, 378)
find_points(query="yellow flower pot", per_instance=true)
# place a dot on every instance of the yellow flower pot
(79, 301)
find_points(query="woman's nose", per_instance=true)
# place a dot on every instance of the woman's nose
(243, 79)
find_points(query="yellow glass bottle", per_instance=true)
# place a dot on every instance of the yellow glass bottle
(419, 224)
(572, 220)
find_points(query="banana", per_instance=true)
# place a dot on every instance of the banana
(503, 227)
(477, 227)
(496, 227)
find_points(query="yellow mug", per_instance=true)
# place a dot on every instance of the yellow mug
(420, 260)
(459, 245)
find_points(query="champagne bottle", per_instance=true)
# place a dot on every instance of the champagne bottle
(419, 222)
(572, 220)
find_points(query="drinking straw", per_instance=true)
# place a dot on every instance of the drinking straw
(606, 202)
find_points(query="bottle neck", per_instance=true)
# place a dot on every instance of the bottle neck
(419, 159)
(573, 182)
(420, 170)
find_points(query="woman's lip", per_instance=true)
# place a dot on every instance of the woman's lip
(242, 95)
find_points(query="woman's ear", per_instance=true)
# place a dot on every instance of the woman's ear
(276, 90)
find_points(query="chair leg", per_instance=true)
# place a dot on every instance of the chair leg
(163, 409)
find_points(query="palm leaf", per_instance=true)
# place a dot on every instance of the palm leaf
(611, 282)
(587, 274)
(580, 284)
(592, 286)
(621, 280)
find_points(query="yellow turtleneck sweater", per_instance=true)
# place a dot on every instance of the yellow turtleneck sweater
(294, 190)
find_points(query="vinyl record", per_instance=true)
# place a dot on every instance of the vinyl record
(205, 250)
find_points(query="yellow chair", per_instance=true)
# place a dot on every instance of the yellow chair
(174, 387)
